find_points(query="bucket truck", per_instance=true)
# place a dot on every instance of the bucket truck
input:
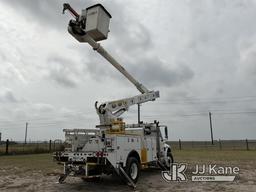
(112, 147)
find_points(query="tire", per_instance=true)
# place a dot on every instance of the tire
(170, 160)
(132, 169)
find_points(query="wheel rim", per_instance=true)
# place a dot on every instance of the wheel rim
(134, 171)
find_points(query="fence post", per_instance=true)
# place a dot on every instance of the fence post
(54, 145)
(7, 147)
(50, 145)
(37, 146)
(220, 144)
(247, 144)
(179, 144)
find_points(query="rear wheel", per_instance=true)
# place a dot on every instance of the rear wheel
(132, 169)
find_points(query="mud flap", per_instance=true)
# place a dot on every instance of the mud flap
(161, 165)
(130, 182)
(62, 177)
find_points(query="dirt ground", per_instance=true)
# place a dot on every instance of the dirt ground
(39, 173)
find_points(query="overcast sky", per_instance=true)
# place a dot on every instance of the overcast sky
(200, 55)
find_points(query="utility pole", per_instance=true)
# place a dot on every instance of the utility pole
(210, 117)
(138, 113)
(26, 132)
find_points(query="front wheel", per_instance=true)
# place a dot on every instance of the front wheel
(170, 160)
(132, 169)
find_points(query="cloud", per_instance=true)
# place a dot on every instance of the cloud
(130, 43)
(44, 12)
(7, 96)
(135, 50)
(130, 38)
(149, 70)
(248, 58)
(47, 12)
(63, 71)
(154, 72)
(130, 35)
(43, 108)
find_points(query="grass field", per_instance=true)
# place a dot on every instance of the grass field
(194, 156)
(39, 173)
(35, 162)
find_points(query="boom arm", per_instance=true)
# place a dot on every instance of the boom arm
(76, 30)
(108, 111)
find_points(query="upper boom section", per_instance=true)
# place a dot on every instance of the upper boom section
(91, 26)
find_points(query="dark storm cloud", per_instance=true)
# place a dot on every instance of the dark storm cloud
(2, 56)
(49, 12)
(133, 47)
(153, 72)
(129, 37)
(150, 71)
(7, 96)
(43, 12)
(63, 72)
(248, 60)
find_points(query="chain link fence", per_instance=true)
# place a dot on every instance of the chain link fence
(217, 145)
(12, 148)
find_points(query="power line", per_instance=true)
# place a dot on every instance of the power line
(56, 121)
(203, 102)
(187, 101)
(47, 118)
(212, 98)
